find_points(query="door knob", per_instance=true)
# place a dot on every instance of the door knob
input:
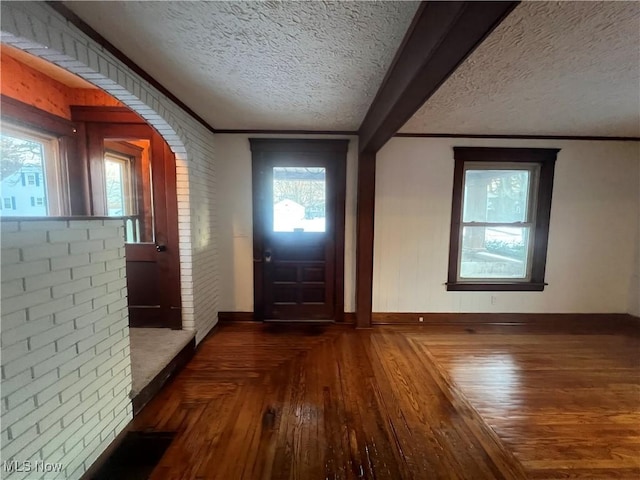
(267, 256)
(161, 248)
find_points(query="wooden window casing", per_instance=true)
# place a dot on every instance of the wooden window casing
(545, 159)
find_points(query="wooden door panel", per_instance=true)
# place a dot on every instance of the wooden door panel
(285, 273)
(313, 273)
(298, 229)
(153, 278)
(313, 295)
(292, 249)
(285, 294)
(143, 287)
(141, 252)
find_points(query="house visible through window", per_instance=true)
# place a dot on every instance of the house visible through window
(500, 218)
(30, 175)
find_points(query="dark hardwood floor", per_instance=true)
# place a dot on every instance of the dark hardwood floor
(288, 402)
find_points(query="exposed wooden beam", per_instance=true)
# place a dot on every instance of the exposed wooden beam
(364, 235)
(441, 36)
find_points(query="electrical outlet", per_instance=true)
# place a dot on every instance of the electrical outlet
(421, 319)
(494, 299)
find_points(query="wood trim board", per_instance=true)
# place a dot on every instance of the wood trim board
(228, 317)
(365, 218)
(441, 36)
(589, 138)
(351, 133)
(604, 323)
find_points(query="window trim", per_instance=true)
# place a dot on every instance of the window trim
(545, 158)
(71, 168)
(54, 177)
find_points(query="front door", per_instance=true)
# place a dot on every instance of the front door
(132, 172)
(298, 208)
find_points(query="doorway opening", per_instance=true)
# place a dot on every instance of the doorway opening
(109, 163)
(298, 229)
(132, 176)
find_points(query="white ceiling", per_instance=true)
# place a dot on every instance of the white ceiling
(260, 65)
(551, 68)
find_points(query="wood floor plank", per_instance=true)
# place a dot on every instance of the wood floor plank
(403, 402)
(560, 403)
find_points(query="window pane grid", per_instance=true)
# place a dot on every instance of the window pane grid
(497, 214)
(497, 224)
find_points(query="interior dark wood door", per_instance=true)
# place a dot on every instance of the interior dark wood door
(151, 248)
(299, 197)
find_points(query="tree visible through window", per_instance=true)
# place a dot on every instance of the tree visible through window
(29, 171)
(299, 199)
(500, 218)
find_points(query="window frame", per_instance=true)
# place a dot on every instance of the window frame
(541, 195)
(127, 180)
(54, 178)
(71, 170)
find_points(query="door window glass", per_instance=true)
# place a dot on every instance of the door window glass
(128, 187)
(299, 199)
(118, 186)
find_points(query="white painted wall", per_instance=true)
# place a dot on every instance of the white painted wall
(36, 28)
(66, 370)
(235, 238)
(593, 241)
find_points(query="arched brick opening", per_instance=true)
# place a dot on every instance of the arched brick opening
(129, 90)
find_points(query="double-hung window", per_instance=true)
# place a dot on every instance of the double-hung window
(500, 218)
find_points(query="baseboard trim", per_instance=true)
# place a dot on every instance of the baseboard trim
(166, 374)
(349, 318)
(410, 318)
(235, 317)
(225, 317)
(612, 321)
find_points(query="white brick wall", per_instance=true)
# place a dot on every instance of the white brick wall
(36, 28)
(66, 373)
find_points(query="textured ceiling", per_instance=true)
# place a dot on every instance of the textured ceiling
(260, 65)
(554, 68)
